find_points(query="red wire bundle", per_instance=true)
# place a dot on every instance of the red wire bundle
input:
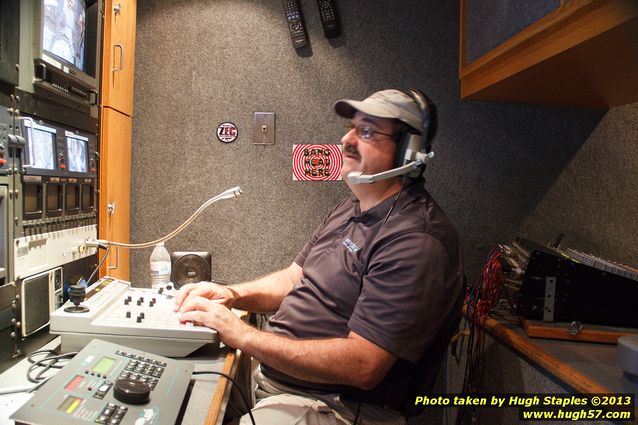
(482, 297)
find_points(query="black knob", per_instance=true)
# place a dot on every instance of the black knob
(76, 294)
(131, 392)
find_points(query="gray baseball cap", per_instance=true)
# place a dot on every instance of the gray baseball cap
(383, 104)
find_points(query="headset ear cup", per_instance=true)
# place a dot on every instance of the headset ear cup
(403, 141)
(408, 140)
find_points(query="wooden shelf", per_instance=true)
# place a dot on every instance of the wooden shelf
(585, 53)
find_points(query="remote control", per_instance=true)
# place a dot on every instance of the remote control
(296, 24)
(329, 18)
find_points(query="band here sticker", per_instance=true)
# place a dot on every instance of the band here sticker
(316, 162)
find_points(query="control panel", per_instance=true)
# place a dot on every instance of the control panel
(40, 252)
(137, 317)
(110, 384)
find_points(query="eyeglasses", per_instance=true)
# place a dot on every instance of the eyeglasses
(364, 132)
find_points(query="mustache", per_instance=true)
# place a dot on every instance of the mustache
(352, 150)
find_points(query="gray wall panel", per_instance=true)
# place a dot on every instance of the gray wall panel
(501, 169)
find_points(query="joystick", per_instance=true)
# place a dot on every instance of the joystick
(76, 295)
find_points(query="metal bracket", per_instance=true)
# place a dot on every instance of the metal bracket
(550, 299)
(117, 259)
(575, 328)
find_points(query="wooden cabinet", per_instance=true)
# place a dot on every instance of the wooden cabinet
(115, 190)
(583, 53)
(118, 60)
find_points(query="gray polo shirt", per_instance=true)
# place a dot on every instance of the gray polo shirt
(396, 282)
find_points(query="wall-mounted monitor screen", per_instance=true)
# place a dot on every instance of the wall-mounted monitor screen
(63, 32)
(40, 146)
(77, 153)
(64, 38)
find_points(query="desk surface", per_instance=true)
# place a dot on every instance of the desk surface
(584, 366)
(209, 395)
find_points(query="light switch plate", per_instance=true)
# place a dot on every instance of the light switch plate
(264, 128)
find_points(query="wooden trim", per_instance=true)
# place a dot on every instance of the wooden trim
(571, 24)
(540, 330)
(223, 387)
(537, 356)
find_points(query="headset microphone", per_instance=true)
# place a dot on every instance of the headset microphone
(357, 177)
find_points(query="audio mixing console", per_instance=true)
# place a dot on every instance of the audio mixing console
(141, 318)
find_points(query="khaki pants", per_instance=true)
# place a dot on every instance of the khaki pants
(280, 405)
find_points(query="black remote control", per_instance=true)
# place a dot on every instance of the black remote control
(296, 24)
(329, 18)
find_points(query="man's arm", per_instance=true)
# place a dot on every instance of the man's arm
(262, 295)
(352, 360)
(267, 293)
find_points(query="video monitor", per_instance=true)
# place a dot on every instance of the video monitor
(64, 38)
(77, 153)
(40, 146)
(63, 30)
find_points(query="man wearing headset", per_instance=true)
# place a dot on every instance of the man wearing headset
(366, 310)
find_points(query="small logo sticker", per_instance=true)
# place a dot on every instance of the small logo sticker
(227, 132)
(352, 247)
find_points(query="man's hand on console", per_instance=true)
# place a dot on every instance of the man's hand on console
(208, 290)
(213, 314)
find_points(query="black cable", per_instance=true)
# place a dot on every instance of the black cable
(88, 281)
(356, 417)
(404, 184)
(241, 393)
(47, 363)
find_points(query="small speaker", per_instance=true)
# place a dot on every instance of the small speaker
(38, 296)
(190, 267)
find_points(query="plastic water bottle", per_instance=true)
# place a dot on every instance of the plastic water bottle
(160, 266)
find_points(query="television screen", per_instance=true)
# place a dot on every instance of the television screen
(63, 32)
(41, 147)
(77, 153)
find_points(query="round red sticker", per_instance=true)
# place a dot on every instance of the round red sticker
(227, 132)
